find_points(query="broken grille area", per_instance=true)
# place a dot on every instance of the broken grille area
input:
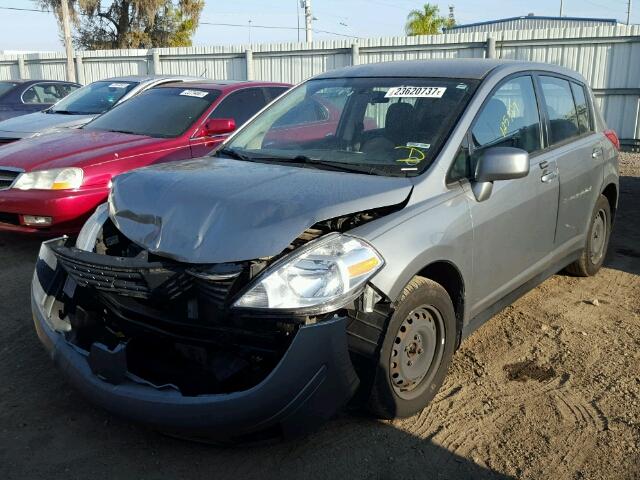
(7, 177)
(172, 320)
(137, 278)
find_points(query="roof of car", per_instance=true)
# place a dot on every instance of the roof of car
(222, 84)
(25, 81)
(145, 78)
(467, 68)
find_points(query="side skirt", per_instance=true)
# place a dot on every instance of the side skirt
(477, 321)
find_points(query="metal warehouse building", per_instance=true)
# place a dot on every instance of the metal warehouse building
(531, 22)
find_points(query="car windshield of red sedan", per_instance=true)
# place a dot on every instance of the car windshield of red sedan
(163, 112)
(6, 86)
(95, 98)
(379, 126)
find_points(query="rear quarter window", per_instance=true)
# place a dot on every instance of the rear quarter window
(240, 105)
(585, 122)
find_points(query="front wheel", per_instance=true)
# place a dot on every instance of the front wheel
(597, 242)
(416, 351)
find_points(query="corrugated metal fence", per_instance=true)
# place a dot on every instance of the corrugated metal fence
(609, 58)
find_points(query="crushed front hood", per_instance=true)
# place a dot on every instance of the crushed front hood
(213, 210)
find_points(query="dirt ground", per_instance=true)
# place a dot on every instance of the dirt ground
(549, 388)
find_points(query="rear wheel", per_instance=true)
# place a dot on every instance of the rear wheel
(597, 242)
(416, 351)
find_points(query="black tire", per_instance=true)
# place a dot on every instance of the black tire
(597, 242)
(424, 310)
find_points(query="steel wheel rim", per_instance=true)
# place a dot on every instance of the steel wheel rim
(416, 352)
(598, 236)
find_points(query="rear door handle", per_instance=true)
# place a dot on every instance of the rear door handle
(543, 164)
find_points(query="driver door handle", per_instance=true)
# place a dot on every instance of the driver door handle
(548, 177)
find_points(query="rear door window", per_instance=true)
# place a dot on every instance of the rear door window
(6, 87)
(47, 93)
(563, 118)
(274, 92)
(241, 105)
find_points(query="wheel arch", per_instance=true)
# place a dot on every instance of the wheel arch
(449, 276)
(611, 194)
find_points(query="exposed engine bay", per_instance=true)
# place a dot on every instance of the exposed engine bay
(176, 320)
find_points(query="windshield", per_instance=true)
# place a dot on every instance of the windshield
(6, 86)
(388, 126)
(160, 112)
(95, 98)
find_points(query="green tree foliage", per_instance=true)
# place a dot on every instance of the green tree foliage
(107, 24)
(427, 21)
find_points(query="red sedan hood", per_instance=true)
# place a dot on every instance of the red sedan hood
(74, 148)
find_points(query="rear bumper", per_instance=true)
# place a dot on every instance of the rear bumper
(69, 209)
(313, 380)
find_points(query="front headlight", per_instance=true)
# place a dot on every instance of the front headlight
(88, 235)
(321, 276)
(55, 179)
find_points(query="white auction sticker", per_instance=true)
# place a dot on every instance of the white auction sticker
(424, 146)
(119, 85)
(413, 92)
(194, 93)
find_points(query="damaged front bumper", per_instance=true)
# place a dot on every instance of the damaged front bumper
(313, 379)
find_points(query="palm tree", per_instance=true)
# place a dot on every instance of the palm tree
(425, 22)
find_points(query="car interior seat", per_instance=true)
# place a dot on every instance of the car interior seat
(399, 125)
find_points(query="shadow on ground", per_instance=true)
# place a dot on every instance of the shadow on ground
(624, 249)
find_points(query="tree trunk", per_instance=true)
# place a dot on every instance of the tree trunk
(123, 25)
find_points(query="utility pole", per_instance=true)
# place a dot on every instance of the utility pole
(66, 28)
(561, 7)
(308, 19)
(629, 12)
(298, 5)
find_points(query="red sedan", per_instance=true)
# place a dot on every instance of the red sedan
(51, 184)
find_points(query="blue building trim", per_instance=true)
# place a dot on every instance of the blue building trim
(611, 21)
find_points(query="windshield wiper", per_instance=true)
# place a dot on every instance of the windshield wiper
(124, 131)
(311, 162)
(230, 152)
(66, 112)
(329, 165)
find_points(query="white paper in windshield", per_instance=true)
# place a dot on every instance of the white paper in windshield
(194, 93)
(415, 92)
(119, 85)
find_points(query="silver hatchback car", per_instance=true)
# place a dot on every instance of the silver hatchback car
(335, 250)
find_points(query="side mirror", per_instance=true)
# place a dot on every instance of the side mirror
(498, 163)
(217, 126)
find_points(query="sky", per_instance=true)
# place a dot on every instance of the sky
(36, 31)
